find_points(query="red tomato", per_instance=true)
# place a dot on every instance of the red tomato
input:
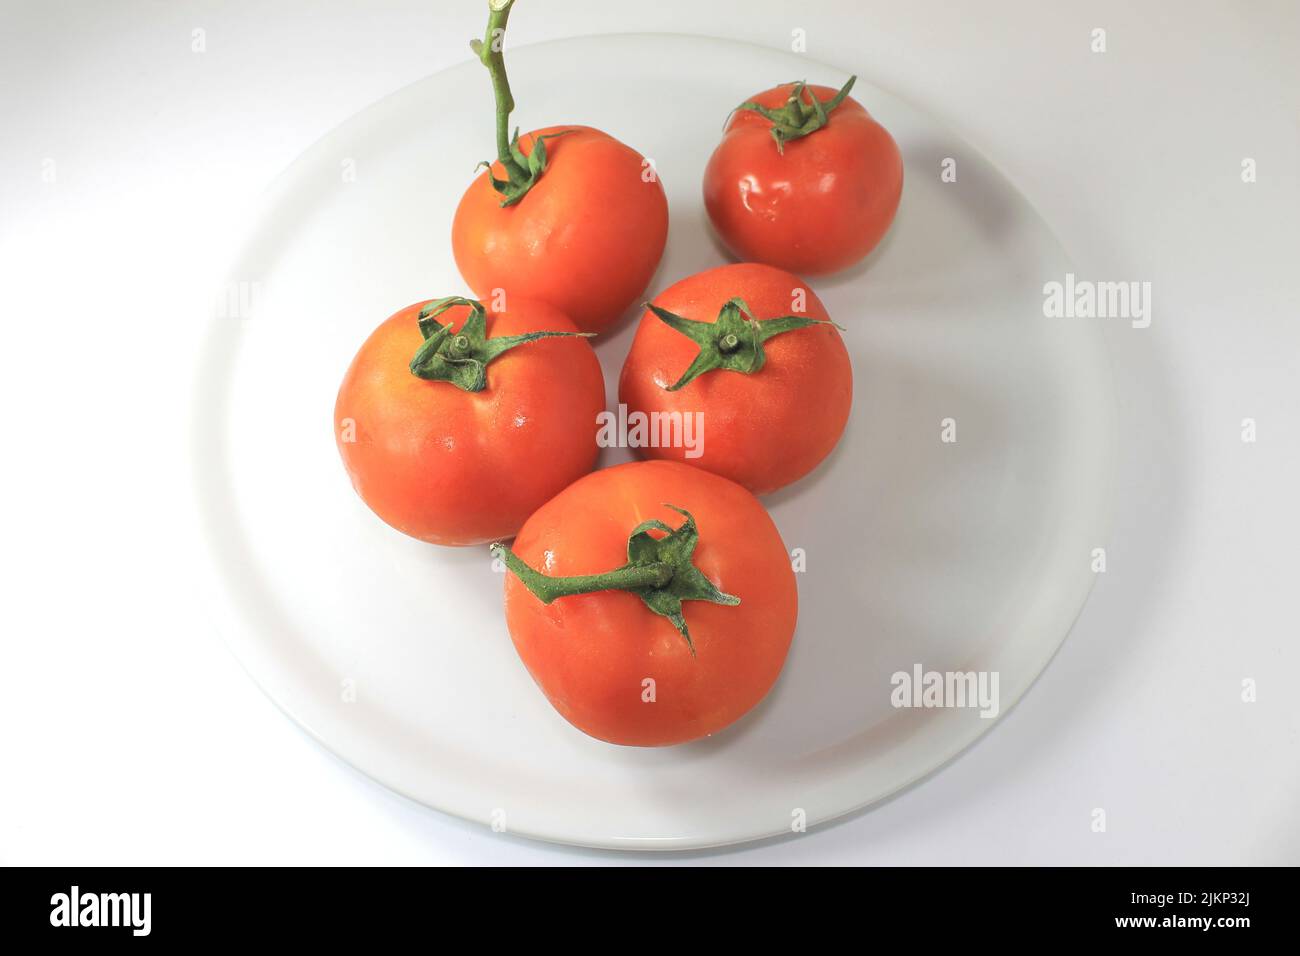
(764, 429)
(817, 205)
(616, 669)
(585, 239)
(462, 467)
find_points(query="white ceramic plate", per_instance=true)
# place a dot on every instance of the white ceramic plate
(971, 555)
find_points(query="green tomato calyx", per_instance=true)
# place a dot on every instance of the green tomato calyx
(796, 118)
(461, 358)
(658, 571)
(734, 342)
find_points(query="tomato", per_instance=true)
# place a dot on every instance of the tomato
(455, 466)
(586, 239)
(566, 215)
(612, 666)
(814, 202)
(763, 428)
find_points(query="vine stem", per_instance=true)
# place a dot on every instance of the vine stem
(548, 588)
(491, 55)
(658, 571)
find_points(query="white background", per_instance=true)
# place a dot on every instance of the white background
(129, 734)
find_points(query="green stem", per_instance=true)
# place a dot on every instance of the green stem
(491, 54)
(659, 571)
(548, 588)
(522, 172)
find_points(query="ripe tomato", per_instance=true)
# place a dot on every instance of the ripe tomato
(566, 215)
(813, 202)
(764, 428)
(612, 666)
(586, 238)
(454, 466)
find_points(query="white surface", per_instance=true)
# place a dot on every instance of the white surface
(130, 735)
(970, 555)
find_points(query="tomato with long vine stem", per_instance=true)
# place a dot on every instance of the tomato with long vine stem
(652, 603)
(565, 215)
(804, 179)
(456, 423)
(751, 352)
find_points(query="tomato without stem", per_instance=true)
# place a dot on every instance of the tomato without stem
(765, 428)
(613, 667)
(813, 203)
(459, 467)
(586, 238)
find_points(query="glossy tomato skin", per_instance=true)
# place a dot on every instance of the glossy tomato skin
(765, 429)
(590, 654)
(817, 208)
(455, 467)
(586, 239)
